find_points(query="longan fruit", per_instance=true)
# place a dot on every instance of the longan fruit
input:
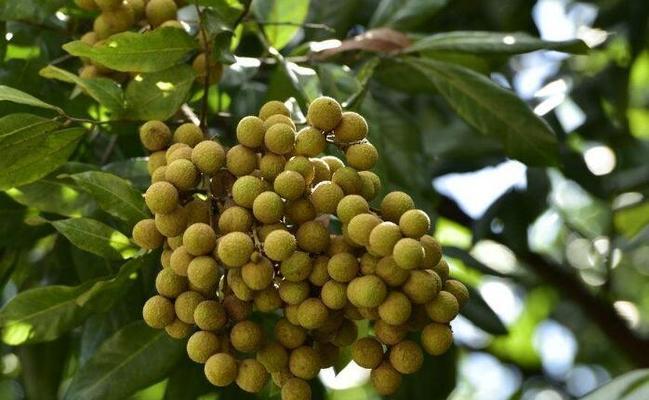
(414, 223)
(203, 272)
(385, 379)
(296, 389)
(264, 230)
(396, 309)
(165, 258)
(329, 354)
(297, 267)
(443, 308)
(389, 334)
(252, 376)
(179, 152)
(89, 71)
(370, 185)
(250, 132)
(278, 119)
(319, 274)
(146, 234)
(351, 128)
(290, 185)
(390, 272)
(362, 156)
(279, 245)
(258, 275)
(346, 334)
(303, 166)
(106, 5)
(159, 174)
(268, 207)
(202, 66)
(281, 377)
(334, 295)
(367, 352)
(137, 7)
(338, 244)
(169, 284)
(383, 237)
(360, 227)
(235, 219)
(442, 269)
(111, 22)
(154, 135)
(343, 267)
(271, 165)
(324, 113)
(159, 11)
(158, 312)
(326, 196)
(182, 174)
(199, 239)
(186, 304)
(422, 286)
(179, 261)
(408, 253)
(394, 204)
(321, 171)
(300, 211)
(202, 345)
(348, 179)
(457, 289)
(289, 335)
(313, 237)
(293, 293)
(221, 369)
(155, 161)
(312, 313)
(88, 5)
(246, 189)
(279, 139)
(436, 338)
(198, 211)
(406, 357)
(367, 291)
(310, 142)
(273, 356)
(432, 251)
(235, 248)
(246, 336)
(273, 107)
(178, 329)
(351, 206)
(208, 156)
(188, 133)
(210, 315)
(240, 160)
(236, 309)
(369, 264)
(334, 163)
(304, 362)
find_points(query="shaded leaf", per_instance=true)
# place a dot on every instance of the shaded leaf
(470, 261)
(17, 96)
(478, 311)
(136, 357)
(138, 52)
(632, 385)
(405, 14)
(95, 237)
(282, 19)
(187, 381)
(442, 369)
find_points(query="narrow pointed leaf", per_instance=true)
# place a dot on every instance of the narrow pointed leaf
(17, 96)
(95, 237)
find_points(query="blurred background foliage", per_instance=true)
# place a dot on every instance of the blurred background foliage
(552, 236)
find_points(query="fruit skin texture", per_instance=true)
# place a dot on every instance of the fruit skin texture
(158, 312)
(271, 165)
(351, 206)
(159, 11)
(443, 308)
(313, 237)
(202, 66)
(296, 267)
(246, 189)
(360, 227)
(199, 239)
(235, 248)
(343, 267)
(436, 338)
(362, 156)
(182, 174)
(268, 207)
(203, 272)
(252, 376)
(258, 276)
(161, 197)
(155, 135)
(408, 253)
(406, 357)
(383, 237)
(280, 139)
(310, 142)
(273, 356)
(396, 309)
(366, 291)
(414, 223)
(290, 185)
(202, 345)
(385, 379)
(422, 286)
(457, 289)
(348, 179)
(367, 352)
(273, 107)
(208, 156)
(394, 204)
(279, 245)
(389, 334)
(326, 196)
(209, 315)
(304, 362)
(173, 223)
(178, 329)
(169, 284)
(324, 113)
(186, 304)
(432, 251)
(279, 119)
(240, 160)
(221, 369)
(352, 128)
(235, 219)
(312, 314)
(250, 132)
(146, 234)
(390, 272)
(333, 295)
(296, 389)
(246, 336)
(289, 335)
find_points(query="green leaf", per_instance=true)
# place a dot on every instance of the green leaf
(95, 237)
(35, 11)
(470, 261)
(187, 382)
(282, 17)
(106, 91)
(158, 95)
(114, 195)
(138, 52)
(632, 220)
(493, 110)
(478, 311)
(135, 357)
(405, 14)
(478, 42)
(31, 148)
(16, 96)
(45, 313)
(630, 386)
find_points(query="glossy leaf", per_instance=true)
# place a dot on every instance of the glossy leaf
(281, 19)
(478, 311)
(405, 14)
(633, 385)
(132, 359)
(138, 52)
(95, 237)
(17, 96)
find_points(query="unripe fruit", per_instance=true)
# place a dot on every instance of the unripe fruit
(279, 245)
(432, 251)
(304, 362)
(313, 237)
(367, 291)
(240, 160)
(210, 315)
(246, 189)
(394, 204)
(178, 329)
(367, 352)
(264, 230)
(156, 160)
(273, 107)
(179, 261)
(390, 272)
(188, 133)
(250, 132)
(319, 275)
(221, 369)
(334, 295)
(280, 139)
(289, 335)
(343, 267)
(235, 219)
(352, 128)
(303, 166)
(252, 376)
(396, 309)
(351, 206)
(296, 389)
(310, 142)
(199, 239)
(278, 119)
(389, 334)
(173, 223)
(169, 284)
(321, 170)
(348, 180)
(165, 258)
(414, 223)
(457, 289)
(273, 356)
(293, 293)
(281, 377)
(362, 156)
(114, 21)
(346, 334)
(182, 174)
(208, 156)
(290, 185)
(159, 174)
(137, 6)
(300, 211)
(204, 66)
(155, 135)
(408, 253)
(159, 11)
(422, 286)
(436, 338)
(326, 196)
(360, 227)
(268, 207)
(385, 379)
(296, 267)
(158, 312)
(246, 336)
(186, 304)
(202, 345)
(271, 165)
(203, 272)
(146, 234)
(443, 308)
(235, 248)
(259, 275)
(383, 237)
(312, 313)
(324, 113)
(406, 357)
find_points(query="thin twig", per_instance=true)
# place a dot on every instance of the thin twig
(109, 149)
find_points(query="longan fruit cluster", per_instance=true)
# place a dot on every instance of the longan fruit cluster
(116, 16)
(246, 231)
